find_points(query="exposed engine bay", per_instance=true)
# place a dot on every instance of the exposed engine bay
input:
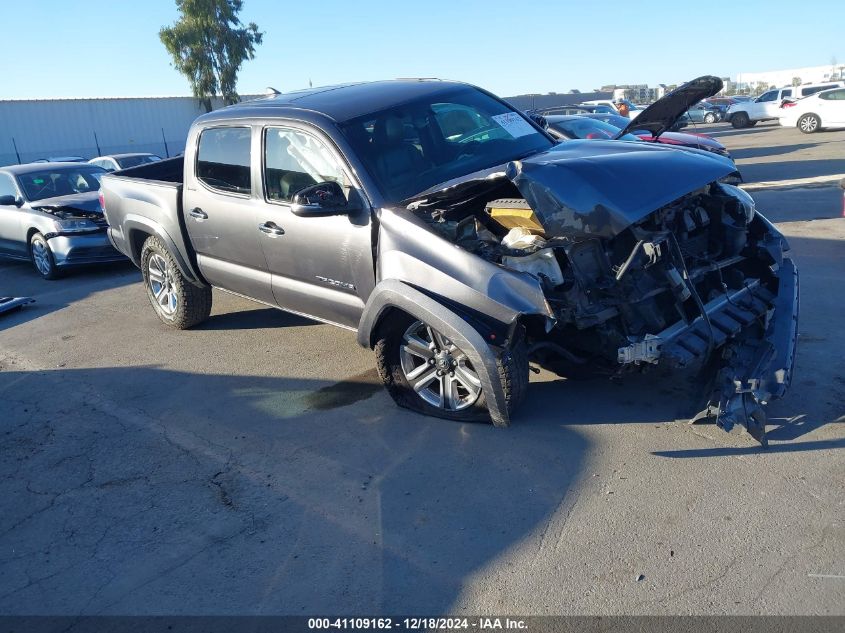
(64, 212)
(692, 285)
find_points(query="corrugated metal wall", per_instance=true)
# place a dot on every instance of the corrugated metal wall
(42, 128)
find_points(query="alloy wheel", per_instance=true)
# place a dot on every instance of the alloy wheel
(41, 257)
(439, 372)
(808, 124)
(161, 284)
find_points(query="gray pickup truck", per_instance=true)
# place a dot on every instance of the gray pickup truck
(462, 242)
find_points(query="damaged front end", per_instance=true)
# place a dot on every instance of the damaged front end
(73, 219)
(645, 259)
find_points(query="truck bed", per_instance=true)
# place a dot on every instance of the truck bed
(144, 201)
(169, 170)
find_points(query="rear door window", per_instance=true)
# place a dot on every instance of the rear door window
(833, 95)
(223, 159)
(813, 90)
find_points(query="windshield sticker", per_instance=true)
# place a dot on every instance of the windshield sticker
(514, 124)
(38, 181)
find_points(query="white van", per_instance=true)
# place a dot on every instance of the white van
(767, 105)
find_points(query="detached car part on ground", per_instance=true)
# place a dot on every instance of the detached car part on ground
(586, 257)
(10, 304)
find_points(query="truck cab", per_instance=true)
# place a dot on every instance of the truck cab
(252, 237)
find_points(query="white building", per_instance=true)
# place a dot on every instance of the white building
(780, 78)
(39, 128)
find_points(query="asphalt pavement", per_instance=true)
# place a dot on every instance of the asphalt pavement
(254, 465)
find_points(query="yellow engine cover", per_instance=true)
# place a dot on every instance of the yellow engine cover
(514, 213)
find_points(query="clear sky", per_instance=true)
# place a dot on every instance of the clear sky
(78, 48)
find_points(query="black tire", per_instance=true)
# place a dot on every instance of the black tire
(42, 257)
(709, 118)
(740, 120)
(809, 123)
(512, 365)
(191, 304)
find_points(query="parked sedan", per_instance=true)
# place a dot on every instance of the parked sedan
(704, 113)
(576, 109)
(50, 215)
(116, 162)
(811, 114)
(682, 139)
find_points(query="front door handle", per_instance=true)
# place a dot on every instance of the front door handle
(198, 214)
(271, 229)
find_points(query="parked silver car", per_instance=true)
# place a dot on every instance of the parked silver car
(116, 162)
(50, 214)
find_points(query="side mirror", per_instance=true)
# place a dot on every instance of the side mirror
(322, 199)
(9, 201)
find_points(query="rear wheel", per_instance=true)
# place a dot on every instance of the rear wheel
(177, 302)
(426, 372)
(809, 123)
(709, 118)
(42, 257)
(740, 120)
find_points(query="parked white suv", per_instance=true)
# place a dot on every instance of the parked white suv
(810, 114)
(767, 105)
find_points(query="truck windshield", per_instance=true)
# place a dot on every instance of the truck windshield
(409, 148)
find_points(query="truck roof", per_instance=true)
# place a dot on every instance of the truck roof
(341, 102)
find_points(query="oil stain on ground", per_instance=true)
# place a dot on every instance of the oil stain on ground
(353, 389)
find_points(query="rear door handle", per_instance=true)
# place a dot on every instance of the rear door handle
(271, 229)
(198, 214)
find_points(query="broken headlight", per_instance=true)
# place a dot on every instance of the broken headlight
(744, 199)
(75, 226)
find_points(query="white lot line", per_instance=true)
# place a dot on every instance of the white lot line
(838, 576)
(795, 182)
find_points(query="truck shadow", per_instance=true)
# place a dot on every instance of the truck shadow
(285, 495)
(254, 320)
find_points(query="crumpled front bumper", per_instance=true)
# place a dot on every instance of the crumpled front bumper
(756, 370)
(86, 248)
(748, 369)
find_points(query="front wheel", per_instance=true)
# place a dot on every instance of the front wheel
(709, 118)
(177, 302)
(809, 123)
(426, 372)
(740, 120)
(42, 257)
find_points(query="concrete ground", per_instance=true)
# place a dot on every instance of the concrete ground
(254, 465)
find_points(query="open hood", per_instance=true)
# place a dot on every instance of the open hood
(662, 114)
(599, 188)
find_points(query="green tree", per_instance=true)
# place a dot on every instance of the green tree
(796, 81)
(208, 44)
